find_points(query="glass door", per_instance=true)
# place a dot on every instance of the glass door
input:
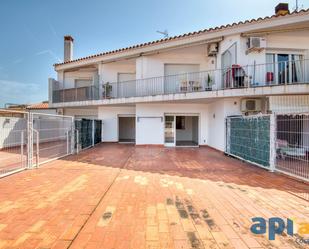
(283, 68)
(169, 130)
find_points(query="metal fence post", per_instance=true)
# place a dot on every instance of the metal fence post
(29, 140)
(22, 149)
(72, 136)
(272, 143)
(77, 141)
(67, 135)
(93, 132)
(37, 148)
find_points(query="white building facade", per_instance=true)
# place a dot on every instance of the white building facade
(179, 91)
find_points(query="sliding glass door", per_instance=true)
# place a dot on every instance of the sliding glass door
(169, 130)
(284, 68)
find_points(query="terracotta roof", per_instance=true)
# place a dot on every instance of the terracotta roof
(184, 35)
(43, 105)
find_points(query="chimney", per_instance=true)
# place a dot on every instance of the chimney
(68, 48)
(282, 9)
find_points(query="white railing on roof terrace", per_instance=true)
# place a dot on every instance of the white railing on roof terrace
(234, 77)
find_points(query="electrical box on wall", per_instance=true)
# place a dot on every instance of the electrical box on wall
(212, 49)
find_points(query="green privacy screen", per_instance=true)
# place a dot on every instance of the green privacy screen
(249, 138)
(97, 131)
(89, 132)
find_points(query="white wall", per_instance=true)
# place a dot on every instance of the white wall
(195, 130)
(109, 71)
(280, 42)
(11, 131)
(151, 130)
(289, 104)
(153, 65)
(44, 111)
(150, 127)
(91, 113)
(109, 116)
(218, 111)
(70, 77)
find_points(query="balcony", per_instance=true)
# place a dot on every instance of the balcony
(76, 94)
(234, 77)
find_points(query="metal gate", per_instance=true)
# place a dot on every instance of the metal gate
(53, 136)
(14, 139)
(30, 139)
(292, 144)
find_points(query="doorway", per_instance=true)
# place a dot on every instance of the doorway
(181, 131)
(126, 129)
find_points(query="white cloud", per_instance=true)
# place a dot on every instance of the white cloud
(53, 30)
(17, 61)
(50, 53)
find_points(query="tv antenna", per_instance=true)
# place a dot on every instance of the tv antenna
(296, 8)
(164, 33)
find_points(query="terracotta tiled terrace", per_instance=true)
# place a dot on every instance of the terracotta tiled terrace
(121, 196)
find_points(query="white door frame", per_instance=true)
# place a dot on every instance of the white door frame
(174, 128)
(171, 144)
(125, 116)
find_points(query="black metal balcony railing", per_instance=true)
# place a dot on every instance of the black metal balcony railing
(236, 76)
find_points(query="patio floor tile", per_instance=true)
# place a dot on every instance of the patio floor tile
(121, 196)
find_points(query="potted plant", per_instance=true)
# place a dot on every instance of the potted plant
(209, 83)
(107, 89)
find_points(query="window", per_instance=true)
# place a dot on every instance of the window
(229, 57)
(126, 77)
(284, 68)
(174, 69)
(180, 123)
(83, 83)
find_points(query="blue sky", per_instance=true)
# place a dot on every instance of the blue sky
(32, 32)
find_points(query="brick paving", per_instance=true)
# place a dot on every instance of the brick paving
(121, 196)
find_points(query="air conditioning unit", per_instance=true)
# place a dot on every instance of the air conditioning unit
(251, 105)
(212, 49)
(256, 43)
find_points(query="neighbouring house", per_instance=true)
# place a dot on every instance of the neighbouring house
(201, 88)
(42, 108)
